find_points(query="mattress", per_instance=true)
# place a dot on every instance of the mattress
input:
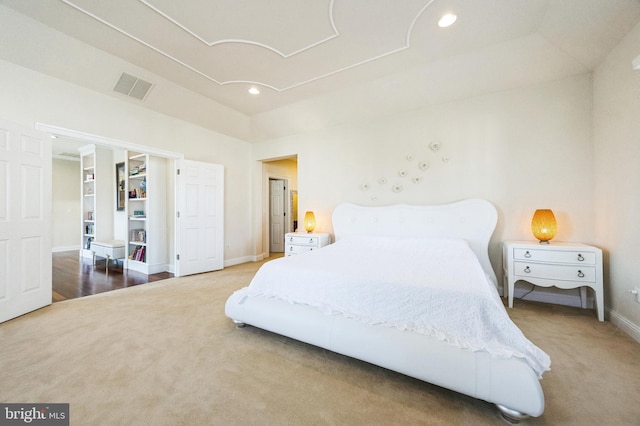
(430, 286)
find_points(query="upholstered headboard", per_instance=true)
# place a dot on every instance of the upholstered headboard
(473, 220)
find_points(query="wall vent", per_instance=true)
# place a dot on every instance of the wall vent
(132, 86)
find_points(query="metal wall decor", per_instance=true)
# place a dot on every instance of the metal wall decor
(414, 173)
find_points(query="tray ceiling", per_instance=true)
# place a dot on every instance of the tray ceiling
(292, 50)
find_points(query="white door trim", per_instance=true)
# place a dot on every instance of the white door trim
(101, 140)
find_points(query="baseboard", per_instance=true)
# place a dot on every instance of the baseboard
(624, 324)
(64, 248)
(239, 260)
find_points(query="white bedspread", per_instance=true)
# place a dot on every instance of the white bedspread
(434, 287)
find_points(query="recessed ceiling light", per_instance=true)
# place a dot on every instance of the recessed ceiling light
(254, 91)
(447, 20)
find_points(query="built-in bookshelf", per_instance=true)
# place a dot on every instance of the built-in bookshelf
(88, 194)
(146, 209)
(95, 192)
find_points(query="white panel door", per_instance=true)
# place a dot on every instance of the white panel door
(200, 239)
(276, 215)
(25, 220)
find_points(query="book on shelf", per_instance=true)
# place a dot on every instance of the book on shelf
(138, 254)
(138, 235)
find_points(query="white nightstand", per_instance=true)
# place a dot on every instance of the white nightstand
(296, 243)
(563, 265)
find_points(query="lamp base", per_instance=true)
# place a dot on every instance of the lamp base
(544, 242)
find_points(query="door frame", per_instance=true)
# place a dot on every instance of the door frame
(267, 213)
(115, 143)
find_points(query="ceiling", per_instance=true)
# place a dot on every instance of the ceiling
(294, 50)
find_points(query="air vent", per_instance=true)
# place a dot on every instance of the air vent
(132, 86)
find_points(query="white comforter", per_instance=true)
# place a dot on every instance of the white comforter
(434, 287)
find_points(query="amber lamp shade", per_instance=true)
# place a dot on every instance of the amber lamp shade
(309, 221)
(544, 226)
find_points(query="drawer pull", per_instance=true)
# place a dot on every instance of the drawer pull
(527, 254)
(290, 239)
(290, 248)
(580, 257)
(527, 270)
(311, 240)
(580, 274)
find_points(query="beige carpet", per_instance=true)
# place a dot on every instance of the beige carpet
(165, 354)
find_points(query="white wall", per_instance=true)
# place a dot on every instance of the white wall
(29, 97)
(521, 149)
(66, 205)
(616, 123)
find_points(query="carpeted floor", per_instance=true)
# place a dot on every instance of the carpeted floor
(165, 354)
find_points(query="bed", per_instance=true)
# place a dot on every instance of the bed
(408, 288)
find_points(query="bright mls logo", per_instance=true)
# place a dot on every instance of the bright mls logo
(34, 414)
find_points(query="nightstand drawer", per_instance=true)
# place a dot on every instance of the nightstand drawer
(555, 272)
(302, 240)
(291, 249)
(555, 256)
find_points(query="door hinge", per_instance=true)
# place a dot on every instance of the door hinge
(178, 171)
(177, 257)
(178, 214)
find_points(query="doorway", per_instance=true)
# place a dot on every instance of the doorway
(281, 201)
(75, 276)
(170, 163)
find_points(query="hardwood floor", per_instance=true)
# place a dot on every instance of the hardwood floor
(73, 277)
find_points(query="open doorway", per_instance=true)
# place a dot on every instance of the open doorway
(72, 275)
(281, 182)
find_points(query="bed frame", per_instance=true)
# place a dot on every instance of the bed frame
(511, 383)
